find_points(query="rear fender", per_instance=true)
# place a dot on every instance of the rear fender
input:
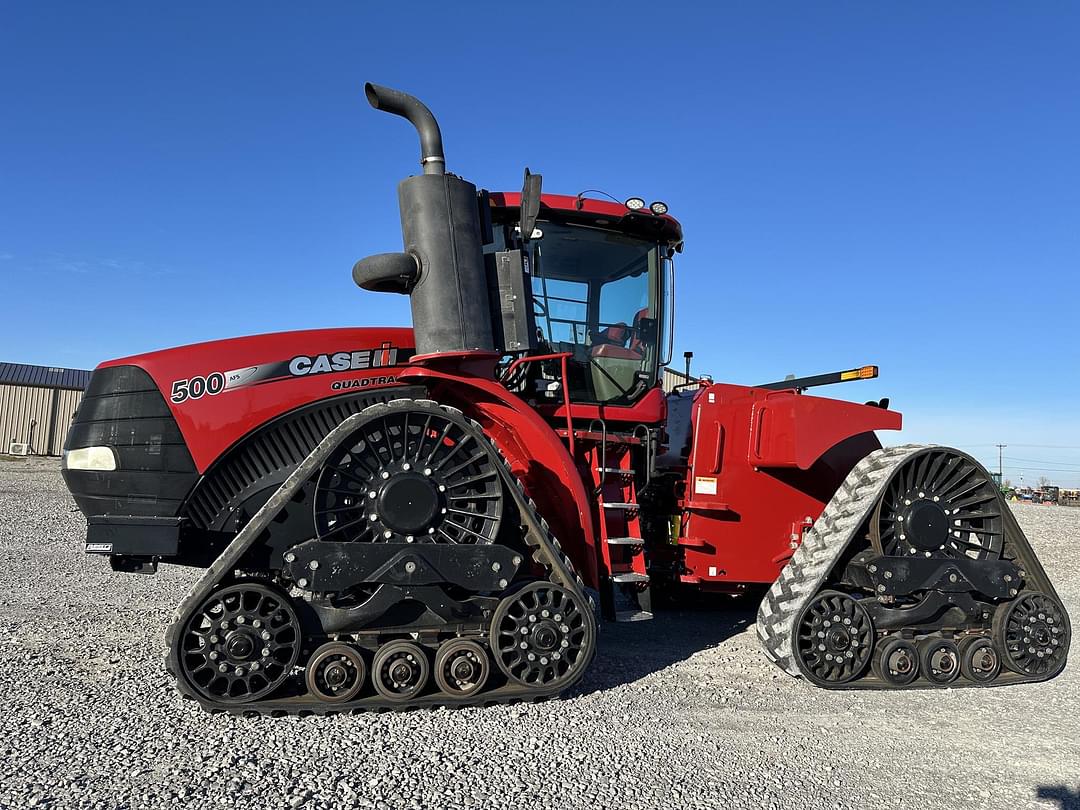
(534, 451)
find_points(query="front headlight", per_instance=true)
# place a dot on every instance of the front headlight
(89, 458)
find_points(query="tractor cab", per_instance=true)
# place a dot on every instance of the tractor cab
(598, 279)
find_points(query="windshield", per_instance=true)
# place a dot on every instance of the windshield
(596, 295)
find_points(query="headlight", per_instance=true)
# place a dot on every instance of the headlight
(89, 458)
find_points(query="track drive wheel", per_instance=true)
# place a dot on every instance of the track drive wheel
(400, 671)
(1033, 634)
(461, 667)
(939, 659)
(541, 635)
(835, 639)
(336, 672)
(896, 662)
(979, 661)
(241, 643)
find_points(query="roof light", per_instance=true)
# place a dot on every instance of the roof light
(658, 207)
(635, 203)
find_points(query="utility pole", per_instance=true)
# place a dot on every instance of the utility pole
(1001, 477)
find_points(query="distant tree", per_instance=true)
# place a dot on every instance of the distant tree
(1008, 483)
(1043, 481)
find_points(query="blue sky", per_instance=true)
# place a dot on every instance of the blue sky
(859, 182)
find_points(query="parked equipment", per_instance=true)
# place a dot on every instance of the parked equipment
(393, 517)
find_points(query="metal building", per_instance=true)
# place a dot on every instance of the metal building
(36, 407)
(673, 378)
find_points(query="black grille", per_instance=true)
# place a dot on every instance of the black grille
(123, 409)
(264, 459)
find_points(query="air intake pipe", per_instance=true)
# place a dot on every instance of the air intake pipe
(442, 268)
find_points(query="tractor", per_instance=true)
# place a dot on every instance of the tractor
(445, 515)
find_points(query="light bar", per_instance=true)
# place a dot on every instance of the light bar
(862, 373)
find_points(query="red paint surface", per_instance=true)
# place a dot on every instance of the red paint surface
(777, 457)
(212, 424)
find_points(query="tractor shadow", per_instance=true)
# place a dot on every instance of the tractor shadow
(1066, 798)
(629, 651)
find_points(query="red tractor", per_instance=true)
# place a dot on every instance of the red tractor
(391, 517)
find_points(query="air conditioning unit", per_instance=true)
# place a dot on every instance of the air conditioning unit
(19, 449)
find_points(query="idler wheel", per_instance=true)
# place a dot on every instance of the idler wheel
(461, 667)
(400, 671)
(834, 639)
(241, 644)
(979, 661)
(896, 662)
(940, 660)
(1033, 634)
(336, 672)
(541, 635)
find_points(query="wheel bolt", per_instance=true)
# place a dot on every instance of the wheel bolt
(385, 475)
(214, 656)
(238, 671)
(223, 668)
(240, 619)
(495, 566)
(214, 639)
(257, 623)
(313, 565)
(290, 557)
(265, 635)
(265, 652)
(302, 582)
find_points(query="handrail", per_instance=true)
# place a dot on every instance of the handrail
(563, 357)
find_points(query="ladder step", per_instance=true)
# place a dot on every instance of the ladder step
(629, 577)
(614, 471)
(625, 541)
(627, 506)
(633, 616)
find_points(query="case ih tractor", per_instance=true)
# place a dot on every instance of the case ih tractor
(438, 516)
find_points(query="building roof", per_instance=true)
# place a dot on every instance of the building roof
(72, 379)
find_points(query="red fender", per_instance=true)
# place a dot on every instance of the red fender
(535, 452)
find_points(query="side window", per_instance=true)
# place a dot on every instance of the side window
(621, 300)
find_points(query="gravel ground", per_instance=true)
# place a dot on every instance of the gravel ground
(680, 712)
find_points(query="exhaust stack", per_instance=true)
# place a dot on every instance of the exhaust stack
(442, 268)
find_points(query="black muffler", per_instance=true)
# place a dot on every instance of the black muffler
(442, 268)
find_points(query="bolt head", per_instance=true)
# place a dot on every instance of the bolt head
(495, 566)
(290, 557)
(302, 582)
(385, 474)
(313, 565)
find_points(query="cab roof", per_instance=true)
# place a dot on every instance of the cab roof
(601, 213)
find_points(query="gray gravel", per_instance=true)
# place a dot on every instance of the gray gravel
(680, 712)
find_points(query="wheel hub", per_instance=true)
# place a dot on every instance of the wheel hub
(408, 503)
(241, 646)
(926, 525)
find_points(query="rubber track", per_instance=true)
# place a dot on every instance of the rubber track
(826, 541)
(546, 551)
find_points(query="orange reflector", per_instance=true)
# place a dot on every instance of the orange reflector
(864, 373)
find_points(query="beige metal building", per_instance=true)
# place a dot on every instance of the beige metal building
(37, 404)
(673, 378)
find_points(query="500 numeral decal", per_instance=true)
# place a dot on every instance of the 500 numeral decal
(197, 387)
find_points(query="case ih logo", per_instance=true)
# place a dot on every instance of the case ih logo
(302, 365)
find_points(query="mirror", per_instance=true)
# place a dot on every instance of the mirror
(530, 204)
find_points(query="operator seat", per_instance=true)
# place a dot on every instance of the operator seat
(614, 365)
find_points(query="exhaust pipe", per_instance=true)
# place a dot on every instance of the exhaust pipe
(417, 114)
(442, 267)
